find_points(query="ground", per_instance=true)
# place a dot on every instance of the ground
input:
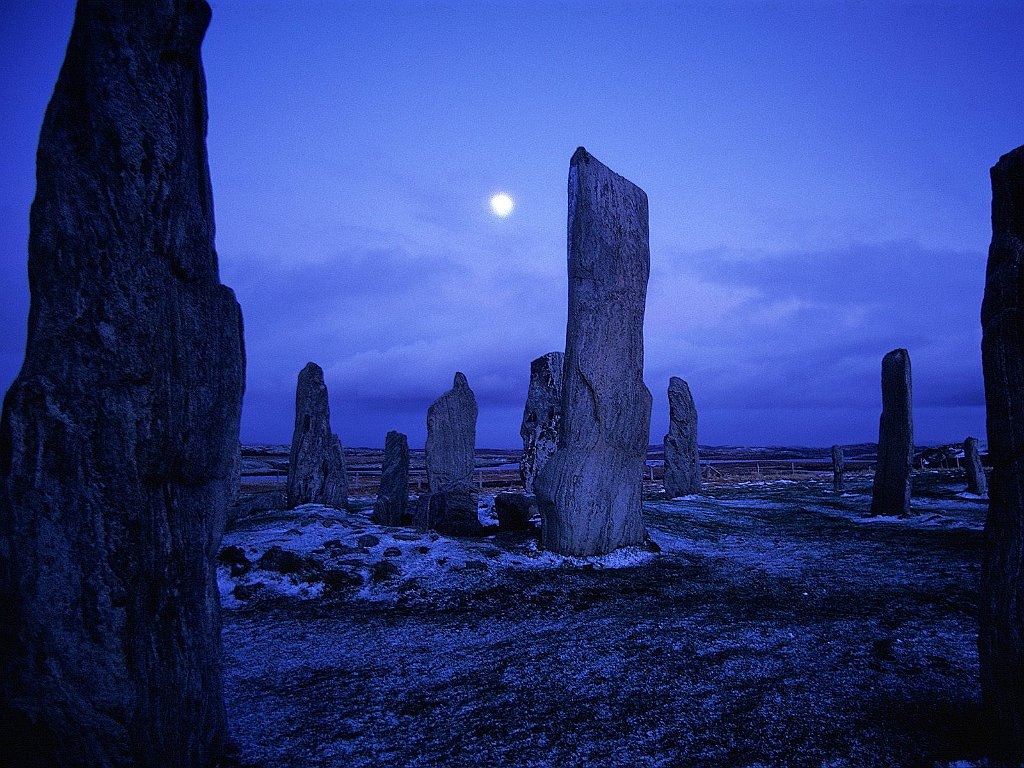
(777, 626)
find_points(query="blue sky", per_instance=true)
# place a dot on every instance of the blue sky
(817, 175)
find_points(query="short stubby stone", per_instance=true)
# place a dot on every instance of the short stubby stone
(541, 416)
(590, 491)
(451, 512)
(977, 482)
(890, 494)
(393, 494)
(682, 462)
(316, 465)
(515, 510)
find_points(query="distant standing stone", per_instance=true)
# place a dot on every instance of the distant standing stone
(590, 490)
(451, 437)
(393, 496)
(891, 492)
(316, 466)
(1001, 605)
(682, 464)
(542, 415)
(838, 468)
(976, 480)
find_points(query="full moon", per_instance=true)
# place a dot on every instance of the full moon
(501, 204)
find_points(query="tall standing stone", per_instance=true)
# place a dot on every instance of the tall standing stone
(976, 480)
(393, 495)
(590, 491)
(118, 438)
(316, 466)
(682, 464)
(1001, 606)
(891, 491)
(541, 416)
(838, 468)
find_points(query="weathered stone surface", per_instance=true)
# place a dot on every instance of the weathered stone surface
(451, 512)
(682, 463)
(838, 468)
(590, 490)
(118, 437)
(515, 510)
(890, 494)
(541, 416)
(316, 467)
(249, 504)
(1001, 606)
(393, 495)
(976, 480)
(451, 437)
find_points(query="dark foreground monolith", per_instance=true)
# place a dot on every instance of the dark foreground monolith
(118, 437)
(316, 465)
(590, 491)
(976, 480)
(890, 494)
(393, 495)
(541, 416)
(451, 505)
(838, 468)
(1001, 607)
(682, 463)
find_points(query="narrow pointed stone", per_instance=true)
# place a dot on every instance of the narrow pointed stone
(1001, 606)
(891, 491)
(119, 437)
(451, 437)
(316, 466)
(541, 416)
(838, 468)
(590, 490)
(393, 495)
(976, 480)
(682, 463)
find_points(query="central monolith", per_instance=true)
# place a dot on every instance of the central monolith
(682, 462)
(541, 416)
(316, 465)
(590, 491)
(1001, 605)
(976, 480)
(890, 494)
(393, 494)
(120, 435)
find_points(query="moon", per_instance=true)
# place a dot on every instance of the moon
(501, 204)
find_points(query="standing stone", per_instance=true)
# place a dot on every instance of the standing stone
(838, 468)
(1001, 606)
(393, 496)
(542, 415)
(891, 492)
(451, 437)
(976, 480)
(119, 436)
(682, 464)
(590, 491)
(316, 466)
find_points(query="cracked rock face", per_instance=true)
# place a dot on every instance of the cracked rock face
(316, 466)
(1001, 605)
(590, 491)
(119, 438)
(541, 416)
(976, 480)
(682, 463)
(393, 495)
(838, 468)
(890, 494)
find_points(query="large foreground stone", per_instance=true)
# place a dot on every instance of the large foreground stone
(1001, 606)
(890, 494)
(976, 480)
(316, 466)
(119, 436)
(393, 495)
(541, 416)
(682, 463)
(590, 491)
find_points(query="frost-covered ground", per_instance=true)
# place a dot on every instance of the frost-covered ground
(776, 627)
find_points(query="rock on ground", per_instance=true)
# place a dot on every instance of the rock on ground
(514, 511)
(393, 495)
(891, 491)
(541, 416)
(451, 512)
(590, 490)
(119, 436)
(682, 463)
(316, 467)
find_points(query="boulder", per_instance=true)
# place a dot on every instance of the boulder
(515, 510)
(451, 512)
